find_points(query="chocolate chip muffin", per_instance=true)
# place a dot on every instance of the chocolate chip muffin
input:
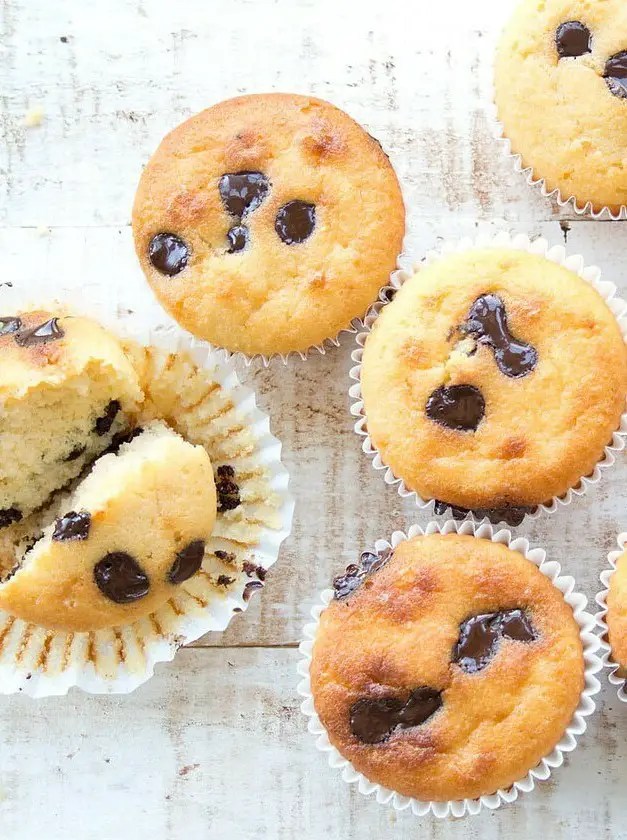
(66, 389)
(122, 543)
(616, 618)
(266, 223)
(561, 95)
(494, 380)
(448, 669)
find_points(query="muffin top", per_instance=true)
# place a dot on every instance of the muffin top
(561, 94)
(267, 222)
(448, 669)
(495, 378)
(616, 617)
(129, 535)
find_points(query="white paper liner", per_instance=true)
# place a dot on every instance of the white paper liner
(520, 242)
(566, 744)
(39, 662)
(601, 598)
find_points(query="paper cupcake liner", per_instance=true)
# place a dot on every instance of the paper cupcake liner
(570, 202)
(601, 598)
(245, 542)
(566, 744)
(519, 242)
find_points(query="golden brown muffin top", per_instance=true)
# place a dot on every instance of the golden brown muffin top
(491, 705)
(561, 94)
(284, 218)
(616, 618)
(494, 378)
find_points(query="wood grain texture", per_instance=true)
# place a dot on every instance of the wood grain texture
(214, 746)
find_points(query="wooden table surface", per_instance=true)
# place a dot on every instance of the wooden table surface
(214, 745)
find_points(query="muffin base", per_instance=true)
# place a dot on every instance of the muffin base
(613, 668)
(40, 662)
(520, 242)
(568, 741)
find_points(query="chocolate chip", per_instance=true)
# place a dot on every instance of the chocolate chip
(251, 587)
(227, 490)
(459, 407)
(72, 526)
(188, 562)
(355, 575)
(295, 221)
(487, 323)
(168, 253)
(120, 578)
(261, 572)
(9, 325)
(238, 239)
(225, 556)
(9, 515)
(479, 637)
(510, 515)
(615, 74)
(225, 580)
(243, 192)
(373, 721)
(42, 334)
(573, 39)
(104, 423)
(75, 453)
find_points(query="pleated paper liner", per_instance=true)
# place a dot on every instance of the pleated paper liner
(614, 673)
(200, 397)
(519, 242)
(566, 744)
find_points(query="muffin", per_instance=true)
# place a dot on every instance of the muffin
(494, 380)
(616, 618)
(447, 669)
(267, 222)
(119, 546)
(66, 390)
(561, 94)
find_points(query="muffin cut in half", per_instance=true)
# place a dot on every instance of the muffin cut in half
(66, 390)
(118, 546)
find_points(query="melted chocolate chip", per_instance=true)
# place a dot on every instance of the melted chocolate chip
(120, 438)
(487, 323)
(42, 334)
(227, 490)
(251, 587)
(238, 239)
(225, 556)
(188, 562)
(75, 453)
(225, 580)
(168, 253)
(510, 515)
(120, 578)
(355, 575)
(243, 192)
(374, 721)
(295, 221)
(9, 515)
(479, 637)
(573, 39)
(615, 74)
(251, 569)
(10, 325)
(72, 526)
(104, 423)
(459, 407)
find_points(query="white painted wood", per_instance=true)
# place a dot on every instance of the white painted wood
(418, 76)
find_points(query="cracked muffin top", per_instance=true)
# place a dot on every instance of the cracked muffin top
(266, 223)
(446, 669)
(494, 379)
(561, 95)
